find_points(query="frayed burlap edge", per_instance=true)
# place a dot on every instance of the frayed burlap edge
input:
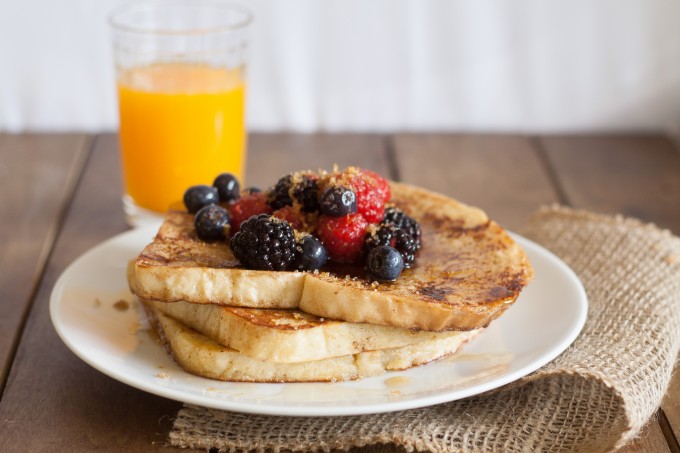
(596, 396)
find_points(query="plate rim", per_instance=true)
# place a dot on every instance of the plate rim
(315, 410)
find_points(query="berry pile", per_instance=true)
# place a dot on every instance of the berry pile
(307, 218)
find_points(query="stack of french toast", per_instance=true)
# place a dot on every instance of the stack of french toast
(326, 276)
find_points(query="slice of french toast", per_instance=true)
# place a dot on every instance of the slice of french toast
(287, 336)
(468, 272)
(178, 266)
(200, 355)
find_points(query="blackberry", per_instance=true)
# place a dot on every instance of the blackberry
(396, 217)
(307, 193)
(280, 194)
(304, 192)
(387, 234)
(264, 243)
(384, 263)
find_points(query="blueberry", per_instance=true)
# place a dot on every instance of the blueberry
(338, 201)
(310, 254)
(228, 187)
(251, 190)
(211, 222)
(384, 263)
(196, 197)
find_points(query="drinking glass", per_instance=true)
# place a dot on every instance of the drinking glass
(180, 71)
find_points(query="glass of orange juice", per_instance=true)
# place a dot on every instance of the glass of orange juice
(180, 70)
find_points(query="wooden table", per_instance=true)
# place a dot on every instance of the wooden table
(61, 196)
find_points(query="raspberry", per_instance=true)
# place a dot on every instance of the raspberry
(265, 243)
(246, 207)
(343, 237)
(292, 216)
(380, 184)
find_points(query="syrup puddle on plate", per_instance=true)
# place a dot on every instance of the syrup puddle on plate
(397, 381)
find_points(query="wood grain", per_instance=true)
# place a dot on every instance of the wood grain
(36, 182)
(271, 156)
(53, 401)
(637, 176)
(501, 174)
(650, 440)
(671, 408)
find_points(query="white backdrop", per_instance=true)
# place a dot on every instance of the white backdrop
(380, 65)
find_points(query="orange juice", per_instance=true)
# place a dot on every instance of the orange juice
(180, 125)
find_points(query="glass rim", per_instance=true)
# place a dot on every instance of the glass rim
(141, 5)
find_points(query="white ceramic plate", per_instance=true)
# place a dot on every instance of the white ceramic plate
(99, 320)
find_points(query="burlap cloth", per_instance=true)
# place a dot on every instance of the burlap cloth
(594, 397)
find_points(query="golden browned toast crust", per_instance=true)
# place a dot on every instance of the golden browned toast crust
(287, 336)
(468, 272)
(201, 355)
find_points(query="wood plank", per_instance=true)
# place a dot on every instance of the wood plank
(671, 408)
(637, 176)
(53, 400)
(651, 440)
(37, 176)
(271, 156)
(501, 174)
